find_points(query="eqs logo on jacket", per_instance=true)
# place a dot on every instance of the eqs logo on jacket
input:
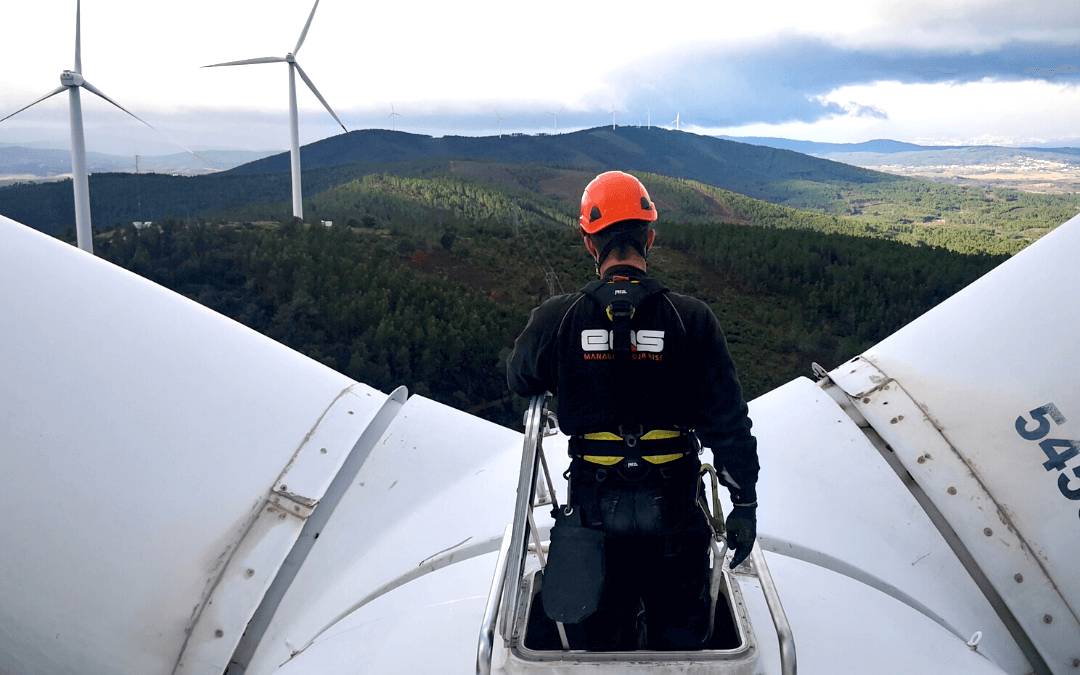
(598, 343)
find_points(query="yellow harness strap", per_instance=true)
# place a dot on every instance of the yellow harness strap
(654, 435)
(607, 460)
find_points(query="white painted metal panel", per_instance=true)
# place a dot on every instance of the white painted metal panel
(828, 498)
(140, 436)
(439, 488)
(842, 626)
(974, 369)
(427, 626)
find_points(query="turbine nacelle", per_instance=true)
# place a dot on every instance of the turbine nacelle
(70, 78)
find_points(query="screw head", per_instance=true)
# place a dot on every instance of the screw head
(987, 531)
(1047, 619)
(951, 490)
(1019, 578)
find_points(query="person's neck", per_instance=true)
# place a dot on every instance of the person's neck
(633, 261)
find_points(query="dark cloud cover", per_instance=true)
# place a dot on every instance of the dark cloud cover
(783, 80)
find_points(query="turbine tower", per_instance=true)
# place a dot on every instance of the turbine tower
(294, 131)
(72, 81)
(676, 122)
(499, 122)
(613, 111)
(556, 116)
(392, 115)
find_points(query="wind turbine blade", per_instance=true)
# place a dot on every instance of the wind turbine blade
(261, 59)
(78, 36)
(54, 92)
(94, 90)
(311, 85)
(303, 35)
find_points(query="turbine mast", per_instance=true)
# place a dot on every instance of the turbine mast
(80, 183)
(294, 148)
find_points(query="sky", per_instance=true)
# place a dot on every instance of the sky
(936, 72)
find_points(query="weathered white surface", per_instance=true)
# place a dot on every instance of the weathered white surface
(140, 436)
(426, 626)
(842, 626)
(828, 498)
(439, 488)
(977, 365)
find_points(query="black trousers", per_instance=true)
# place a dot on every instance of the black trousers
(656, 587)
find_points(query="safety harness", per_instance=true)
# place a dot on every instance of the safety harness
(621, 296)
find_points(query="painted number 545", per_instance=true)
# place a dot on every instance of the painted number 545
(1058, 451)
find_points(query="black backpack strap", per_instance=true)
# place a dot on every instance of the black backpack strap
(621, 298)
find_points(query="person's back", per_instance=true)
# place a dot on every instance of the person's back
(641, 374)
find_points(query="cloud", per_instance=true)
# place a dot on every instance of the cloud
(856, 110)
(787, 78)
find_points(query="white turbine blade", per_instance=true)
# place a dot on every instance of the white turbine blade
(78, 36)
(303, 35)
(261, 59)
(94, 90)
(311, 85)
(54, 92)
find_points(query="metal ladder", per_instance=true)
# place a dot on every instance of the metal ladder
(540, 422)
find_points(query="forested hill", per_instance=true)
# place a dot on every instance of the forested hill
(748, 169)
(777, 176)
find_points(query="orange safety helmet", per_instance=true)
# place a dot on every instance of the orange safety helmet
(613, 197)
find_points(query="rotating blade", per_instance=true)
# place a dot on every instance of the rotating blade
(54, 92)
(94, 90)
(311, 85)
(261, 59)
(78, 36)
(303, 35)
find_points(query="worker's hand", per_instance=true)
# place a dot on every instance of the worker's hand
(741, 532)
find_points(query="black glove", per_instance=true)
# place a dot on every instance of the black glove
(741, 532)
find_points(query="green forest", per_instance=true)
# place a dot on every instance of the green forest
(434, 268)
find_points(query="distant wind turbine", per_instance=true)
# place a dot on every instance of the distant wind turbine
(294, 68)
(556, 116)
(499, 122)
(392, 115)
(613, 111)
(676, 122)
(71, 81)
(648, 118)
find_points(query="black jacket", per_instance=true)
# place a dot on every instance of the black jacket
(680, 374)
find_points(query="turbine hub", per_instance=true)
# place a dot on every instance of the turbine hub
(290, 58)
(69, 78)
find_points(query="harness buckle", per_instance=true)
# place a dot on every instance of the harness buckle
(631, 439)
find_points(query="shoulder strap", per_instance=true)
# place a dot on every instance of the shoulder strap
(621, 297)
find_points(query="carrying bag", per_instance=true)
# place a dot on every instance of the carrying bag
(574, 576)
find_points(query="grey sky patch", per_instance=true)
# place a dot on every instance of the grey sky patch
(785, 79)
(1066, 69)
